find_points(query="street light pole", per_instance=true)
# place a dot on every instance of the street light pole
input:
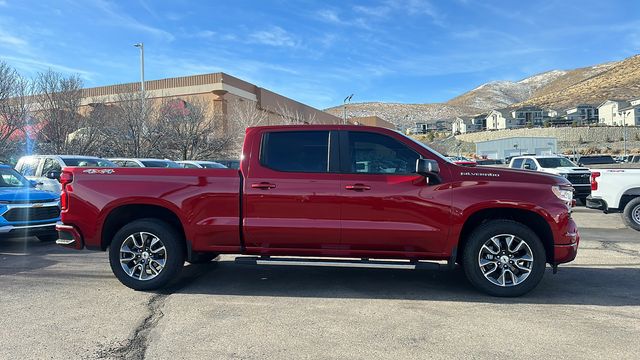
(141, 47)
(344, 111)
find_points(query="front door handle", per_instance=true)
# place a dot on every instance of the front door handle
(263, 186)
(358, 187)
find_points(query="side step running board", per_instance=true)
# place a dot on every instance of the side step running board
(352, 263)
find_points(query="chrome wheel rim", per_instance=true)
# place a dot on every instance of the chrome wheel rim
(143, 256)
(505, 260)
(635, 214)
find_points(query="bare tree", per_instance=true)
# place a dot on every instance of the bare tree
(243, 114)
(190, 130)
(133, 131)
(294, 117)
(13, 108)
(58, 101)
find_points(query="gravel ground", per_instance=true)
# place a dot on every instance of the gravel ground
(59, 304)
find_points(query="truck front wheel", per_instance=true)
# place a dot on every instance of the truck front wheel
(631, 214)
(504, 258)
(146, 254)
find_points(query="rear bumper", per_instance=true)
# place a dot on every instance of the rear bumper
(596, 203)
(69, 236)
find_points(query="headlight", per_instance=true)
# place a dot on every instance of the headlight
(563, 193)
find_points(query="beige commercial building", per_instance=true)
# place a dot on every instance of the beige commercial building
(222, 91)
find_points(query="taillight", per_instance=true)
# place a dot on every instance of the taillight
(594, 181)
(65, 180)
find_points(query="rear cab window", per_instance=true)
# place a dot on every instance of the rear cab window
(296, 151)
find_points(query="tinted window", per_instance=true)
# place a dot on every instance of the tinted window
(131, 164)
(29, 167)
(159, 163)
(296, 151)
(188, 166)
(213, 166)
(531, 163)
(88, 162)
(517, 163)
(379, 154)
(555, 162)
(50, 165)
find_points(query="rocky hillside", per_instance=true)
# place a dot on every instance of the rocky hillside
(404, 114)
(619, 80)
(556, 89)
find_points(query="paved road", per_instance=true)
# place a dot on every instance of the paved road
(60, 304)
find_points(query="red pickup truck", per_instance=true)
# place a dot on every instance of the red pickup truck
(327, 195)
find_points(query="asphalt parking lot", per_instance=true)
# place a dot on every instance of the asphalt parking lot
(61, 304)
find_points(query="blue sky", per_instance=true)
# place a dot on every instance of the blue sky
(318, 52)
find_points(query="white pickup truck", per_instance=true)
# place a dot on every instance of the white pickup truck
(615, 190)
(557, 165)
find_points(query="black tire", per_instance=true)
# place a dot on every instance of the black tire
(489, 230)
(631, 214)
(174, 253)
(202, 257)
(48, 237)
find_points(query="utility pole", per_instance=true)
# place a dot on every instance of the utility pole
(141, 47)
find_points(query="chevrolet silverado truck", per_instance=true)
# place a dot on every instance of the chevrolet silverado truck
(617, 190)
(325, 195)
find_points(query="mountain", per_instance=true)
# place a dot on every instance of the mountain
(500, 94)
(556, 89)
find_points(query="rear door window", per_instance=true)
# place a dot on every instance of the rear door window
(296, 151)
(517, 163)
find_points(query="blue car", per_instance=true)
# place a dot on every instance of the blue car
(25, 211)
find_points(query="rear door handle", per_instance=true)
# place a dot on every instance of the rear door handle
(358, 187)
(263, 186)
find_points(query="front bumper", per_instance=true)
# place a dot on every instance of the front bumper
(27, 230)
(69, 236)
(566, 249)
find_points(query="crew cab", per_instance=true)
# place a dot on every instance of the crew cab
(302, 196)
(579, 177)
(617, 190)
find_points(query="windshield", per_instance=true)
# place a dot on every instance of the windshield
(426, 147)
(160, 163)
(11, 178)
(88, 162)
(555, 162)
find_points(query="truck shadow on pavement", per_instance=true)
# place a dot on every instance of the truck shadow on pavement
(25, 254)
(571, 286)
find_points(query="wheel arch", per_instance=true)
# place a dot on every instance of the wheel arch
(528, 218)
(124, 214)
(627, 196)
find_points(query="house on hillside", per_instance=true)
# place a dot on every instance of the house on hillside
(630, 115)
(608, 112)
(500, 119)
(582, 114)
(467, 124)
(529, 115)
(425, 127)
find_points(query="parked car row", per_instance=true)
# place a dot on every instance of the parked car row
(45, 170)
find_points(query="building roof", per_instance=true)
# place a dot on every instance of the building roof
(620, 102)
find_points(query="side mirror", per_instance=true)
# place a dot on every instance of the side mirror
(527, 166)
(53, 175)
(427, 167)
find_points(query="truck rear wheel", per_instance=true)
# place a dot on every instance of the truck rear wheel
(504, 258)
(631, 214)
(146, 254)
